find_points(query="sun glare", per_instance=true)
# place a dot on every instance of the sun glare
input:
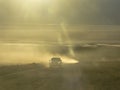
(36, 1)
(32, 10)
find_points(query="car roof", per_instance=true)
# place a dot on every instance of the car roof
(56, 59)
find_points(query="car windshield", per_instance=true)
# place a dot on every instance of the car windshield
(59, 44)
(56, 59)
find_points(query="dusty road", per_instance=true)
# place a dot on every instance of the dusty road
(71, 77)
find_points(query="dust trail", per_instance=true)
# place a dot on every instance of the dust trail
(63, 38)
(20, 53)
(68, 60)
(69, 42)
(24, 53)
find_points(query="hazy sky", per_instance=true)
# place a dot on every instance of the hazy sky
(25, 33)
(81, 12)
(85, 12)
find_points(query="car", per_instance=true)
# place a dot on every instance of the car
(55, 62)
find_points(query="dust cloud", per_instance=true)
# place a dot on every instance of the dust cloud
(19, 53)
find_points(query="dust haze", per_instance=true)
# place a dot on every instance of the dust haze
(83, 34)
(37, 44)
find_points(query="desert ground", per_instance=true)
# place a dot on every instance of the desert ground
(97, 69)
